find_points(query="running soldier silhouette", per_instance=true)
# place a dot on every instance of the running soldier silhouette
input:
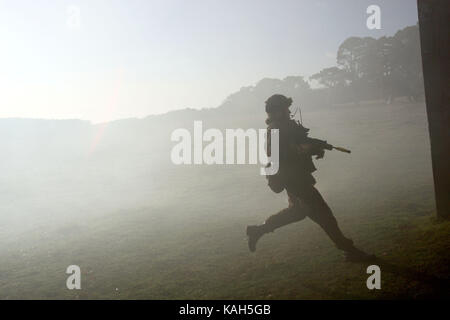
(295, 176)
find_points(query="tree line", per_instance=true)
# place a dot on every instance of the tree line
(369, 68)
(366, 69)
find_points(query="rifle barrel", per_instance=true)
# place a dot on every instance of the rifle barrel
(342, 149)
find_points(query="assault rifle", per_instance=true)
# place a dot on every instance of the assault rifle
(321, 144)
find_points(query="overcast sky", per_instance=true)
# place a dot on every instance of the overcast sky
(133, 58)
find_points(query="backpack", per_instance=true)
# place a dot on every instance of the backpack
(275, 182)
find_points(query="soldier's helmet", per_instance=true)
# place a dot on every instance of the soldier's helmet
(277, 102)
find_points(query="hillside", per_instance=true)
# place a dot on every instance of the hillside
(107, 197)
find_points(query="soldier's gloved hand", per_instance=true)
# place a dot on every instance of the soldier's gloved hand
(320, 154)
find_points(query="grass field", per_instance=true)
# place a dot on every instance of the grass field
(297, 262)
(190, 242)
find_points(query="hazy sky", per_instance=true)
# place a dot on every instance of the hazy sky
(132, 58)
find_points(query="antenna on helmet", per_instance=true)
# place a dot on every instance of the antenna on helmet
(300, 112)
(293, 115)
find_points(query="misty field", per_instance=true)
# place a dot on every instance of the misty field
(142, 228)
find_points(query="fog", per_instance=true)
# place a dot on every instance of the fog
(58, 183)
(68, 171)
(108, 198)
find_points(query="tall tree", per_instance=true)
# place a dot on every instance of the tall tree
(330, 77)
(434, 19)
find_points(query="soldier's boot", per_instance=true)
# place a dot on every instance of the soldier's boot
(354, 254)
(254, 233)
(282, 218)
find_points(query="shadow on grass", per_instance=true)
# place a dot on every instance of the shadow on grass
(327, 293)
(440, 287)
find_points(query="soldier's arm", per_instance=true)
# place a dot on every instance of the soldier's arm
(314, 147)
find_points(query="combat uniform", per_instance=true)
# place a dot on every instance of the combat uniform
(295, 171)
(295, 176)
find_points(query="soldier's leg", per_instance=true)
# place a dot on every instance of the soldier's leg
(323, 216)
(295, 212)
